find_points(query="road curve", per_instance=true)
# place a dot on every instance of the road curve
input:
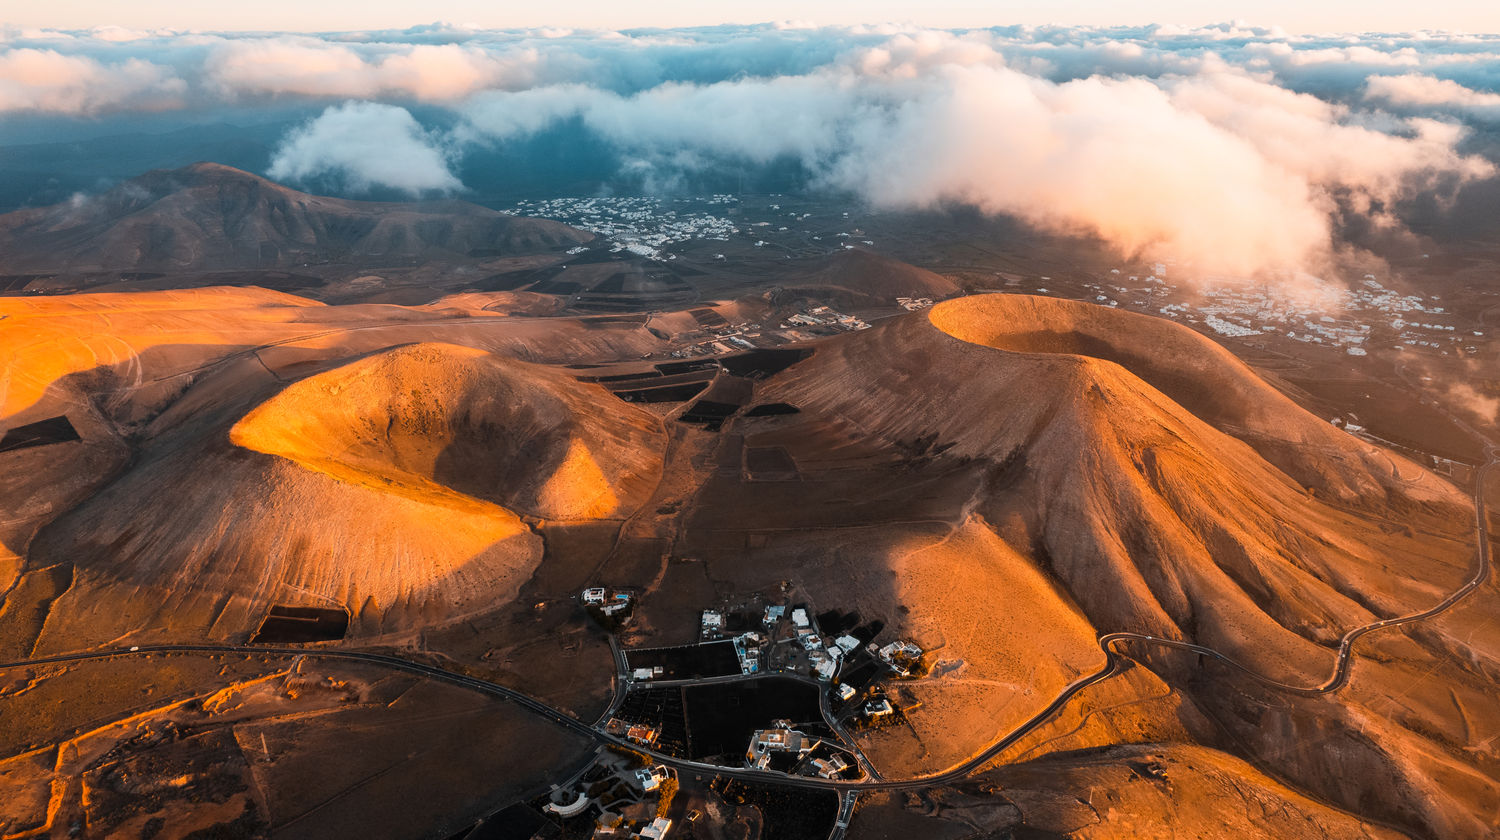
(1340, 676)
(1108, 643)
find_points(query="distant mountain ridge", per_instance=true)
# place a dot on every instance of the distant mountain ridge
(208, 216)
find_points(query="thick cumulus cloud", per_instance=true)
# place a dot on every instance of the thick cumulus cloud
(361, 145)
(1430, 94)
(1222, 170)
(47, 80)
(309, 67)
(1232, 147)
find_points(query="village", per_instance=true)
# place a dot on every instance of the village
(808, 323)
(769, 687)
(1314, 311)
(663, 229)
(1353, 318)
(640, 224)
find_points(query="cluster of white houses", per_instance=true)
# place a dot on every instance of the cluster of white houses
(825, 654)
(782, 739)
(639, 224)
(824, 316)
(629, 799)
(611, 826)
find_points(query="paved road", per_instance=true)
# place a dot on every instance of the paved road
(453, 677)
(1340, 676)
(846, 812)
(1108, 643)
(823, 708)
(621, 680)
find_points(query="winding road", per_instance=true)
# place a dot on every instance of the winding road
(1109, 643)
(1114, 661)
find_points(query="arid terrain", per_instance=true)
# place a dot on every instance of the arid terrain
(300, 497)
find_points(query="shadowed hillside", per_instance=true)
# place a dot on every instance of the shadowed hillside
(390, 485)
(1001, 479)
(207, 217)
(857, 277)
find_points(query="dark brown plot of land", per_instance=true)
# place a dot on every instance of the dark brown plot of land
(714, 659)
(722, 717)
(788, 813)
(1392, 414)
(662, 708)
(244, 746)
(291, 625)
(770, 463)
(40, 433)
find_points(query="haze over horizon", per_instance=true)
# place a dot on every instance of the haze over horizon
(1294, 17)
(1098, 130)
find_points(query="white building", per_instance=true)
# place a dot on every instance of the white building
(657, 830)
(650, 778)
(879, 708)
(780, 738)
(827, 668)
(900, 651)
(572, 809)
(713, 621)
(830, 768)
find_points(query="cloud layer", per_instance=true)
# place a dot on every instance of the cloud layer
(363, 145)
(1230, 147)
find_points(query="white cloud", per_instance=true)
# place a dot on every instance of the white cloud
(46, 80)
(1228, 145)
(365, 145)
(1229, 172)
(311, 67)
(296, 66)
(1426, 93)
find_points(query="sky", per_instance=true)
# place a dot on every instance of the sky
(1293, 16)
(1240, 148)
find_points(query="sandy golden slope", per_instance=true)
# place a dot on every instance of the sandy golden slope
(1156, 519)
(433, 418)
(244, 447)
(132, 366)
(1245, 524)
(389, 486)
(1002, 640)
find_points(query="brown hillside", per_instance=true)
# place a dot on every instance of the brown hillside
(430, 416)
(1196, 374)
(856, 277)
(1184, 524)
(207, 216)
(1155, 520)
(389, 485)
(1123, 793)
(998, 480)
